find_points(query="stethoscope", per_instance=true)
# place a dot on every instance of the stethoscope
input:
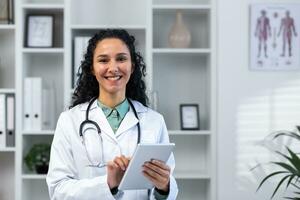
(94, 131)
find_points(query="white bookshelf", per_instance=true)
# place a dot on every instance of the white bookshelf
(43, 50)
(191, 73)
(7, 90)
(7, 86)
(189, 132)
(8, 149)
(43, 6)
(181, 51)
(34, 177)
(197, 174)
(182, 6)
(179, 75)
(7, 27)
(39, 132)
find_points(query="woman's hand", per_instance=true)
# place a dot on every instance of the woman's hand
(115, 170)
(158, 173)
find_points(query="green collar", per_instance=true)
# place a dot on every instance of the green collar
(122, 108)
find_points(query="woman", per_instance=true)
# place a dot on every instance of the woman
(111, 93)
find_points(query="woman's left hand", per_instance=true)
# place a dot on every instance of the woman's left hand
(158, 173)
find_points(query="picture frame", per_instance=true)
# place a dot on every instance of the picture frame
(189, 117)
(274, 37)
(39, 31)
(6, 11)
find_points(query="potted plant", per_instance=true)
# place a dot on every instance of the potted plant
(289, 168)
(37, 159)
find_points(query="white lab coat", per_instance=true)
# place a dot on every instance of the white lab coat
(69, 178)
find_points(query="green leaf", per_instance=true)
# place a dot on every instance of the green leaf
(290, 180)
(287, 133)
(296, 186)
(283, 155)
(286, 166)
(279, 184)
(270, 175)
(295, 159)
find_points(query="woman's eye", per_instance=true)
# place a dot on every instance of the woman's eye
(122, 59)
(103, 61)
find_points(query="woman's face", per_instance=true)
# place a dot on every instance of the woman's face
(112, 66)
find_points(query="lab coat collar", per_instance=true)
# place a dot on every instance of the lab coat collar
(137, 105)
(96, 114)
(128, 122)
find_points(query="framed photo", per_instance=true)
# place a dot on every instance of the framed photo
(6, 11)
(39, 31)
(189, 117)
(274, 37)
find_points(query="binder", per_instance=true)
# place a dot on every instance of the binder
(2, 121)
(36, 104)
(10, 120)
(48, 109)
(27, 116)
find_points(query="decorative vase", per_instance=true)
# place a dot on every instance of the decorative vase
(179, 35)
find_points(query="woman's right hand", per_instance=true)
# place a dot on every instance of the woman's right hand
(115, 170)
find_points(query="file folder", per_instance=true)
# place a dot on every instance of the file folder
(10, 120)
(36, 106)
(2, 121)
(27, 116)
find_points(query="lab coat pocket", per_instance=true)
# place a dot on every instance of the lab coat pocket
(148, 137)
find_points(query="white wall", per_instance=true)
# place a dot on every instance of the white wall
(250, 105)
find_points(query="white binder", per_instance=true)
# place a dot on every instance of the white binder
(48, 108)
(2, 121)
(10, 120)
(36, 105)
(27, 116)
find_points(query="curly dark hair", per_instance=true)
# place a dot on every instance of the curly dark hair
(87, 86)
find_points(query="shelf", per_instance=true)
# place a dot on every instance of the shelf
(39, 132)
(8, 149)
(33, 176)
(43, 50)
(189, 132)
(191, 175)
(183, 50)
(7, 27)
(96, 27)
(8, 90)
(183, 6)
(45, 6)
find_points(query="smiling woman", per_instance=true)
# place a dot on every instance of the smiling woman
(89, 157)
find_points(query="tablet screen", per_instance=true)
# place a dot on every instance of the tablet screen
(133, 178)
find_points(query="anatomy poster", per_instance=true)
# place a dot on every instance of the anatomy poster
(274, 37)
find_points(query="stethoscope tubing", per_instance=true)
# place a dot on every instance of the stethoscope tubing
(88, 121)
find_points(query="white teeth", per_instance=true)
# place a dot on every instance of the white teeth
(114, 78)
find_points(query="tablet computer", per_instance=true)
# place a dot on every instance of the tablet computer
(133, 178)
